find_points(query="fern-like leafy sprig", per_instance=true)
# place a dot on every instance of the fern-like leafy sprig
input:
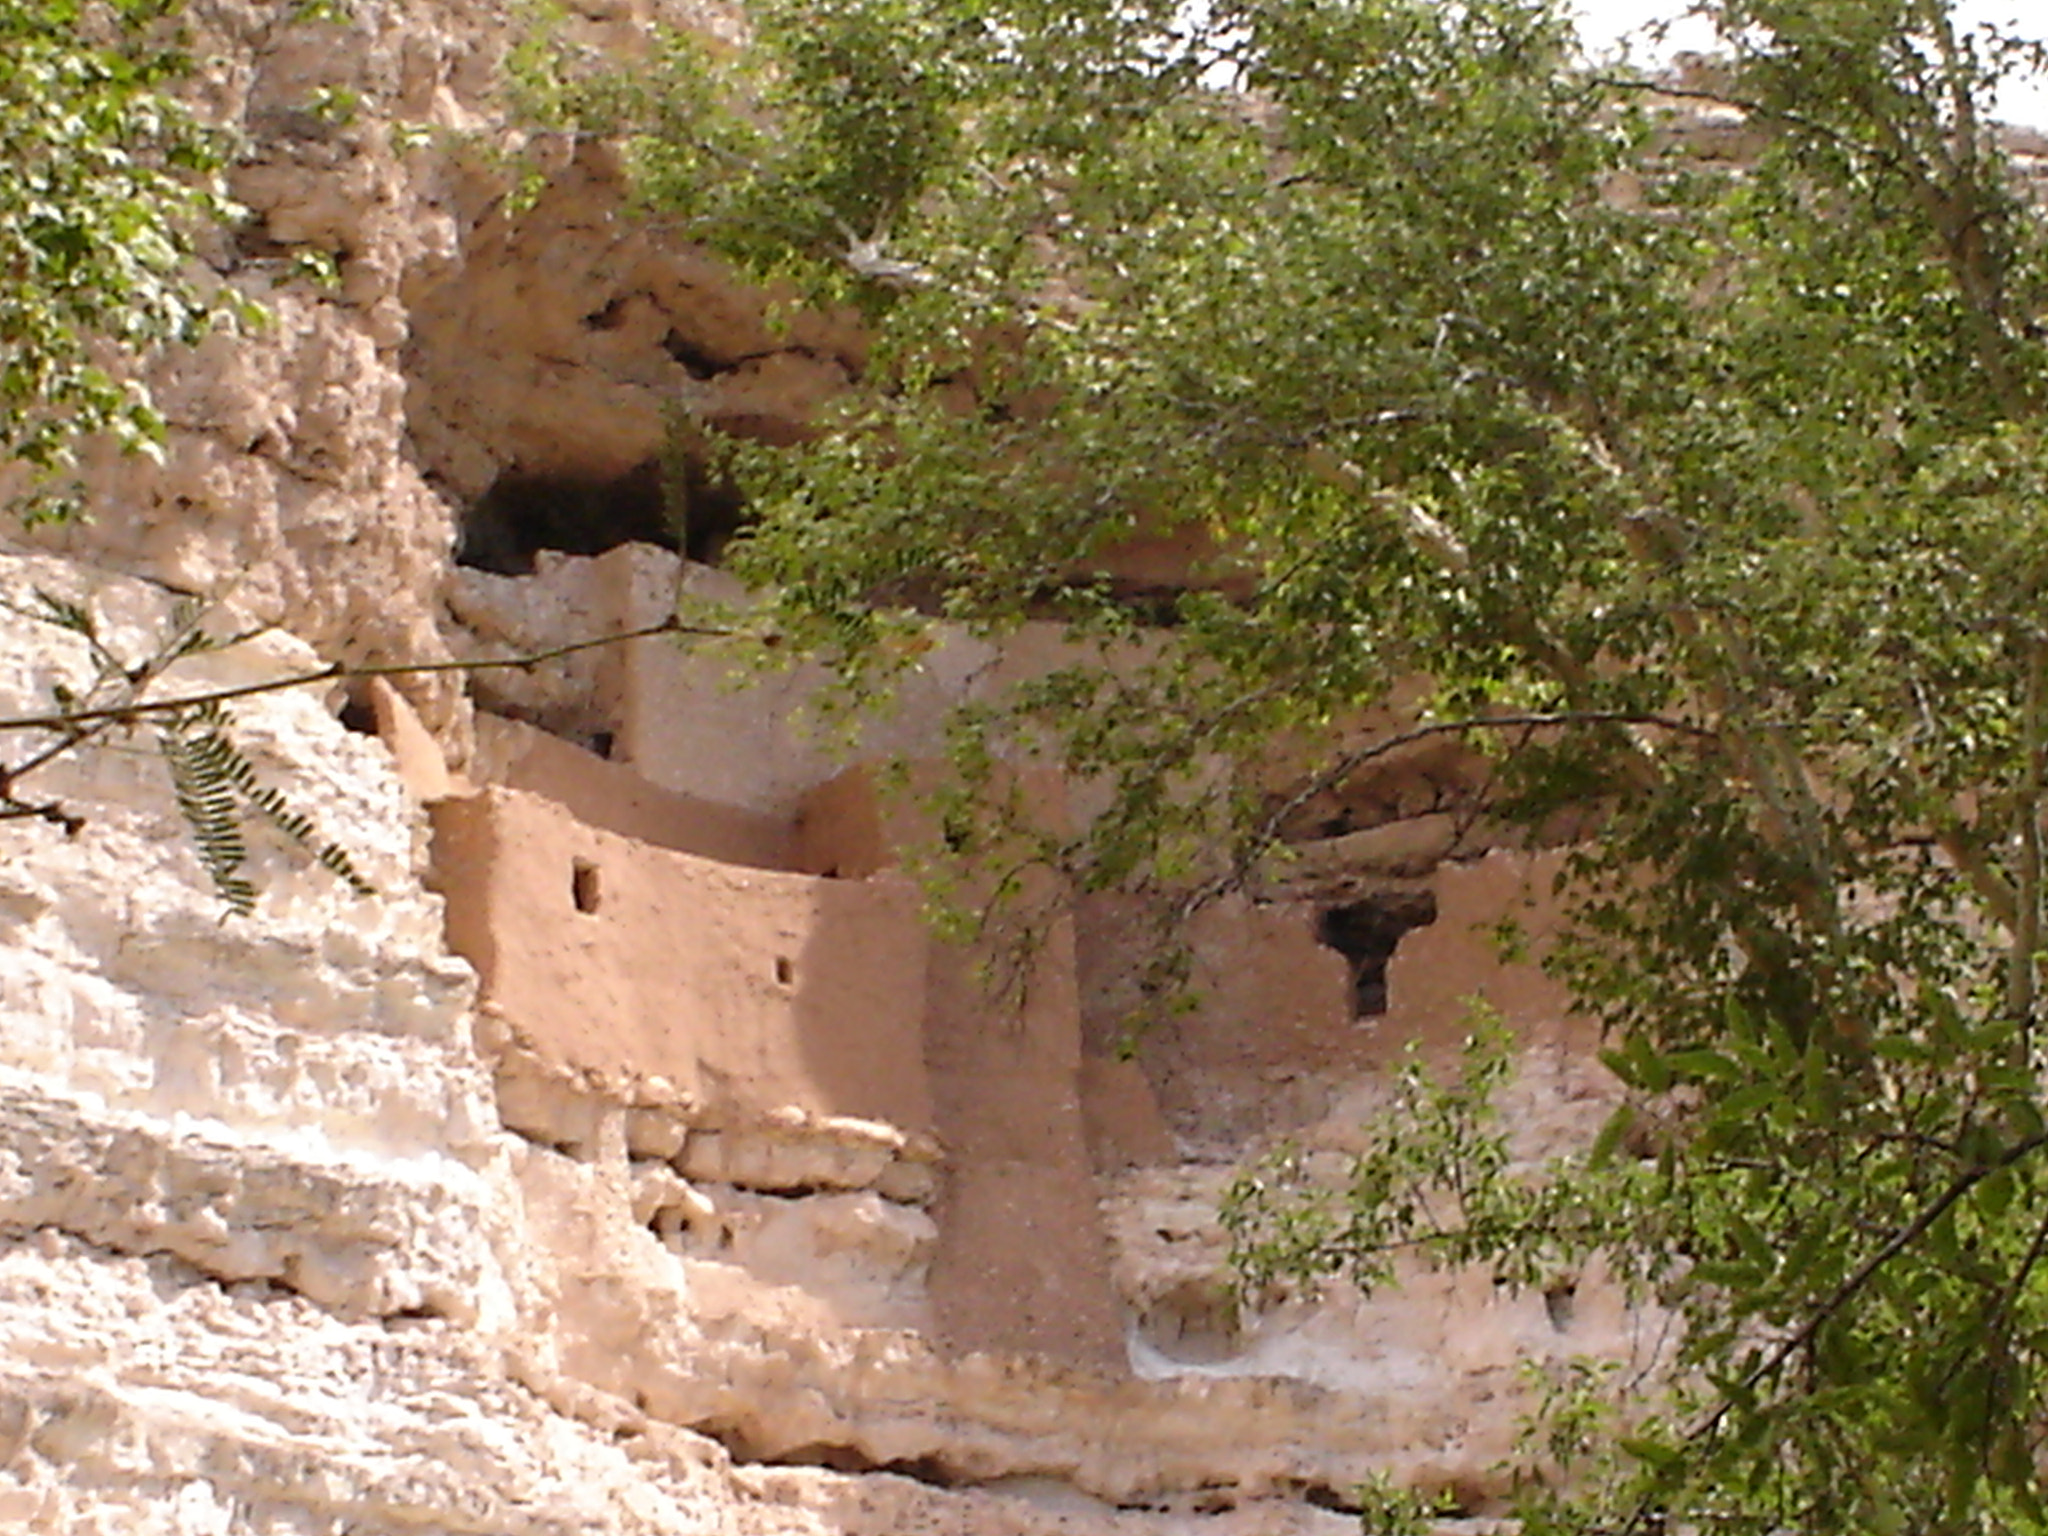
(212, 779)
(215, 783)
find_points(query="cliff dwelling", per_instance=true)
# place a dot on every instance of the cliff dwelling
(701, 955)
(644, 1114)
(643, 1158)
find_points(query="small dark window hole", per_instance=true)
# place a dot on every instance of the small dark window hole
(1366, 933)
(1561, 1301)
(584, 886)
(785, 973)
(358, 714)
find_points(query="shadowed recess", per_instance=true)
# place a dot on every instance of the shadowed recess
(524, 513)
(1366, 933)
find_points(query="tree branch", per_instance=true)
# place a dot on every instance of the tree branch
(1351, 762)
(78, 727)
(1802, 1336)
(2024, 961)
(338, 672)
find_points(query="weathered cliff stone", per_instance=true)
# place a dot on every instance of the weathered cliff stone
(565, 339)
(138, 1396)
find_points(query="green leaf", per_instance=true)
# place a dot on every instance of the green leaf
(1658, 1454)
(1612, 1133)
(1994, 1193)
(1703, 1064)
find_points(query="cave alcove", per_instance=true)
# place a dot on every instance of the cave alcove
(524, 512)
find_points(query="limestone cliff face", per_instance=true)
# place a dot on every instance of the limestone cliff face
(732, 1204)
(633, 1160)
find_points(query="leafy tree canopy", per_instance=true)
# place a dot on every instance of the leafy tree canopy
(1740, 482)
(107, 178)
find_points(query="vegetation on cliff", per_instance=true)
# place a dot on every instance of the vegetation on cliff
(1711, 495)
(108, 179)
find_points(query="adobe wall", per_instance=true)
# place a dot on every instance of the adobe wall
(691, 714)
(1270, 1041)
(691, 720)
(753, 990)
(1440, 970)
(1022, 1262)
(842, 827)
(756, 992)
(1561, 1093)
(619, 799)
(686, 715)
(1262, 1037)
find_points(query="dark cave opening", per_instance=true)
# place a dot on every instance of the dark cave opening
(524, 513)
(697, 363)
(1366, 933)
(358, 713)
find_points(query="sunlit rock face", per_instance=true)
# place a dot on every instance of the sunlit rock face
(635, 1159)
(637, 1119)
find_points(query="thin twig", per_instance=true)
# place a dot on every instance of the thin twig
(90, 722)
(1753, 108)
(338, 672)
(1351, 762)
(51, 811)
